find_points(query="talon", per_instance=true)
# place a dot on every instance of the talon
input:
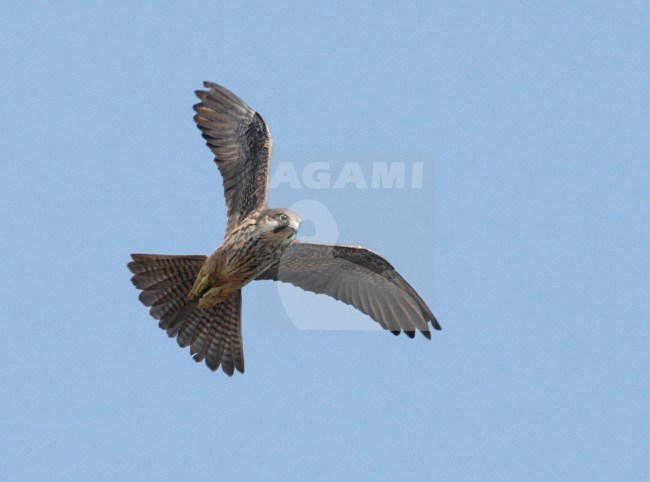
(212, 293)
(203, 285)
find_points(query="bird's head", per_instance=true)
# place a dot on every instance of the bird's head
(279, 223)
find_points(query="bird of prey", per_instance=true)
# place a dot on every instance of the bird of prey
(197, 298)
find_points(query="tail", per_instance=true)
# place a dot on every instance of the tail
(213, 334)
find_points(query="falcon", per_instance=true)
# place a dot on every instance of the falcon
(197, 299)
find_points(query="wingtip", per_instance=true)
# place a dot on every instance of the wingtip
(435, 324)
(134, 266)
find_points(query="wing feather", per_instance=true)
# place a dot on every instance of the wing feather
(241, 144)
(358, 277)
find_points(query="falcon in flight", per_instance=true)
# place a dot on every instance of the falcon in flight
(197, 298)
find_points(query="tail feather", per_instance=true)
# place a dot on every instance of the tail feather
(200, 337)
(174, 324)
(188, 329)
(213, 334)
(212, 342)
(227, 363)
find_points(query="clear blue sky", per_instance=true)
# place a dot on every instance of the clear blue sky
(529, 240)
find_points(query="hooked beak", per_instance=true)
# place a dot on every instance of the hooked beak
(295, 225)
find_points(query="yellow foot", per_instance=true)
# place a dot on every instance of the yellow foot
(203, 285)
(211, 293)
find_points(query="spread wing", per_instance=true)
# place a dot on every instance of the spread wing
(357, 277)
(241, 144)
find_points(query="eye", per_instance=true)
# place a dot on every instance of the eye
(284, 218)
